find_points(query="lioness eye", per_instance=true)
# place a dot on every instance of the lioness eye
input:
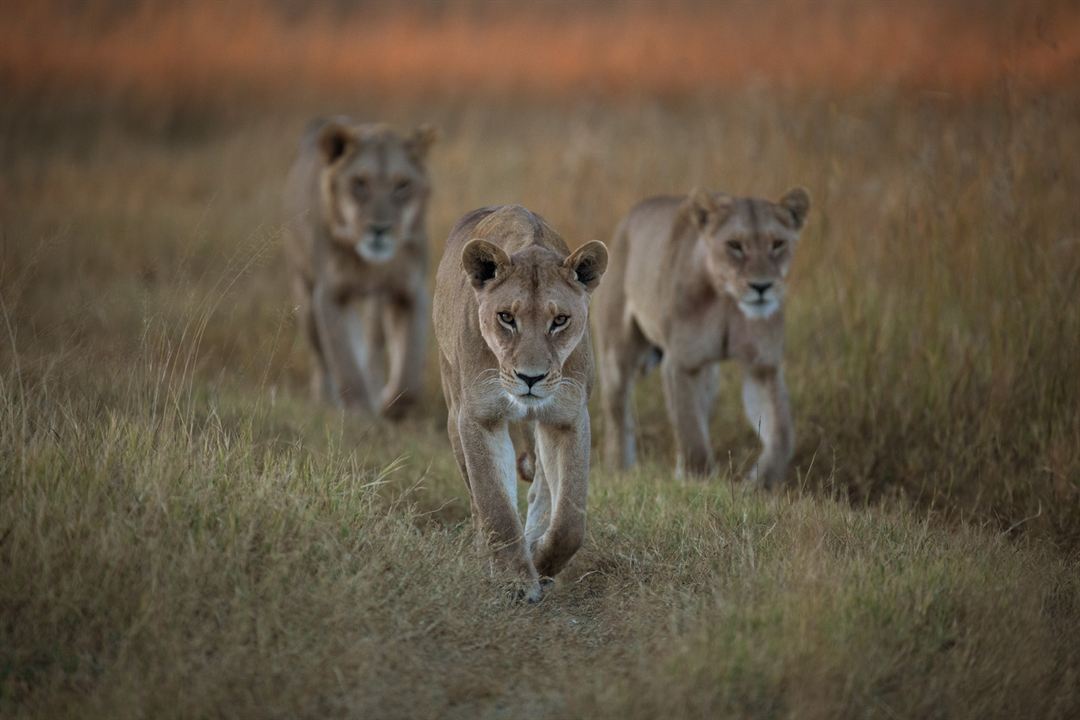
(402, 188)
(559, 321)
(360, 188)
(778, 245)
(735, 247)
(506, 319)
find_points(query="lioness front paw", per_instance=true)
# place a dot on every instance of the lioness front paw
(530, 594)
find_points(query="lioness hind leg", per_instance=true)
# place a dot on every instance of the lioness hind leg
(765, 400)
(538, 518)
(622, 353)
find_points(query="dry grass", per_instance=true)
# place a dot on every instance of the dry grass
(183, 534)
(167, 559)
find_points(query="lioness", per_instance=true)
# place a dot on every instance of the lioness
(697, 280)
(511, 321)
(356, 199)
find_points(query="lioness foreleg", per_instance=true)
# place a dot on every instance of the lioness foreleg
(688, 415)
(765, 400)
(406, 331)
(492, 471)
(563, 458)
(336, 337)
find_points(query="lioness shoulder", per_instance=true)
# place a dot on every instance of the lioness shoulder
(511, 313)
(696, 280)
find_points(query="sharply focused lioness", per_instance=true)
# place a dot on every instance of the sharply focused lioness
(511, 320)
(695, 281)
(356, 200)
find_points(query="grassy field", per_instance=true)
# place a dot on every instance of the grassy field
(183, 533)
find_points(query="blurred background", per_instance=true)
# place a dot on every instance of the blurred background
(217, 54)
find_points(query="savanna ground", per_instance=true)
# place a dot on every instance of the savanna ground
(183, 533)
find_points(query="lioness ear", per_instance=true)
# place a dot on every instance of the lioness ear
(421, 140)
(797, 202)
(703, 207)
(588, 263)
(482, 261)
(334, 139)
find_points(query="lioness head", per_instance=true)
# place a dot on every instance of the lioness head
(749, 245)
(533, 310)
(373, 185)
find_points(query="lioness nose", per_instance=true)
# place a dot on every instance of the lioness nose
(761, 287)
(380, 228)
(531, 380)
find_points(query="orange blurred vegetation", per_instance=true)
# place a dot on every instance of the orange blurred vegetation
(205, 49)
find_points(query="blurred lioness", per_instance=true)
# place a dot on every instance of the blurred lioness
(356, 201)
(511, 319)
(694, 281)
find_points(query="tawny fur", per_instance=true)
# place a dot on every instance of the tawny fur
(512, 302)
(357, 249)
(680, 290)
